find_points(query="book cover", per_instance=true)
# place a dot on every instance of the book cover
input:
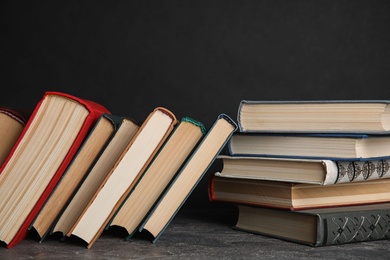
(94, 111)
(297, 196)
(125, 174)
(89, 152)
(11, 126)
(123, 135)
(158, 175)
(314, 116)
(312, 171)
(189, 176)
(319, 227)
(332, 146)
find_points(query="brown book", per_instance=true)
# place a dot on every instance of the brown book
(296, 196)
(92, 147)
(123, 176)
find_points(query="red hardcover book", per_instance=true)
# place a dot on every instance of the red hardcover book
(46, 146)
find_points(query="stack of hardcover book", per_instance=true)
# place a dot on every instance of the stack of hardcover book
(75, 169)
(313, 172)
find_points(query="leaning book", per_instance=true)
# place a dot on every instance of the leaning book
(158, 175)
(318, 227)
(93, 146)
(11, 126)
(124, 175)
(188, 176)
(55, 131)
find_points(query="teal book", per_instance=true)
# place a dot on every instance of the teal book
(318, 227)
(89, 152)
(346, 147)
(189, 176)
(158, 175)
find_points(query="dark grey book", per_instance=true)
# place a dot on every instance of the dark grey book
(319, 227)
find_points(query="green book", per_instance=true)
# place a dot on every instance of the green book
(318, 227)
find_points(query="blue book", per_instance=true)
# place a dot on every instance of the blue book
(352, 147)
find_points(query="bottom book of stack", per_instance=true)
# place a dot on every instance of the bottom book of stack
(319, 227)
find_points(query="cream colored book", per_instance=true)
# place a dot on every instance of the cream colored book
(158, 175)
(312, 171)
(297, 196)
(89, 152)
(97, 174)
(319, 116)
(11, 126)
(189, 176)
(123, 176)
(55, 131)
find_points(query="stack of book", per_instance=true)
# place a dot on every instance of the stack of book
(77, 170)
(314, 172)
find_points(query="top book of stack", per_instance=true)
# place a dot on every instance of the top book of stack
(343, 116)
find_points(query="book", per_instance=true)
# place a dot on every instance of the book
(188, 177)
(96, 175)
(46, 146)
(314, 171)
(318, 227)
(316, 116)
(124, 175)
(92, 147)
(314, 146)
(11, 126)
(296, 196)
(158, 175)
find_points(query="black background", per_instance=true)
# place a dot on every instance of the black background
(196, 58)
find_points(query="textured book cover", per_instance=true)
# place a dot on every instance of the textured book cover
(319, 227)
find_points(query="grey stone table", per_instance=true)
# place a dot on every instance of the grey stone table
(193, 234)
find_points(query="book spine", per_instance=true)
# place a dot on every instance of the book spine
(354, 227)
(352, 171)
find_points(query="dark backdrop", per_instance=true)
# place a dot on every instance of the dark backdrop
(197, 58)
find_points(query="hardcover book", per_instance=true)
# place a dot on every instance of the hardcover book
(313, 146)
(92, 147)
(296, 196)
(319, 227)
(188, 176)
(124, 175)
(95, 177)
(46, 146)
(158, 175)
(336, 116)
(323, 172)
(11, 126)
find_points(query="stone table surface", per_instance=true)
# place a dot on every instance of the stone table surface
(193, 234)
